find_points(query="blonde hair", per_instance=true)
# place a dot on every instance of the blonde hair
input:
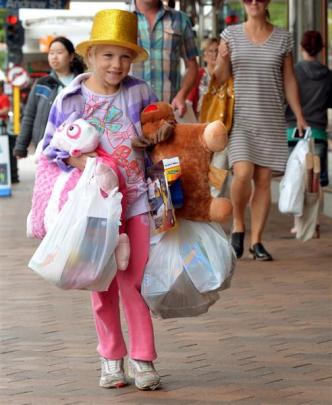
(207, 42)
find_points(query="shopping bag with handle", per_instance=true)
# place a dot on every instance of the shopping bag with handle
(292, 185)
(186, 268)
(78, 250)
(306, 224)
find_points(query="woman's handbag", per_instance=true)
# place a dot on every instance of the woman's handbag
(218, 103)
(78, 250)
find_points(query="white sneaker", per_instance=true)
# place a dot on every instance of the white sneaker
(112, 374)
(144, 373)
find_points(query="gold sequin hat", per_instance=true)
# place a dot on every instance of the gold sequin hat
(114, 27)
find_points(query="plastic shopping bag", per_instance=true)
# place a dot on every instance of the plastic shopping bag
(307, 222)
(186, 269)
(292, 185)
(78, 250)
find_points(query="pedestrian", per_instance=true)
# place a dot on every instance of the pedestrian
(315, 85)
(4, 108)
(112, 100)
(259, 56)
(65, 65)
(168, 36)
(209, 49)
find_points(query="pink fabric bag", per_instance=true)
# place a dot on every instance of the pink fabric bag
(46, 176)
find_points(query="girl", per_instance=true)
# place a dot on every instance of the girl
(112, 101)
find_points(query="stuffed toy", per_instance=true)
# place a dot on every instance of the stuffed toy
(81, 137)
(76, 138)
(194, 144)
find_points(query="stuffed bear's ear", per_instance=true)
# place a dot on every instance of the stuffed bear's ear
(150, 108)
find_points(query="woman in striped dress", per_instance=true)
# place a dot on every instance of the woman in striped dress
(259, 55)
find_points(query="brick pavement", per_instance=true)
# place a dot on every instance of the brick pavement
(267, 340)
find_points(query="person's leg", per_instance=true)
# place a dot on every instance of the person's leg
(140, 329)
(106, 312)
(111, 347)
(259, 207)
(240, 195)
(240, 192)
(260, 202)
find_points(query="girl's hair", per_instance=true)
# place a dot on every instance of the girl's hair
(77, 64)
(312, 42)
(207, 42)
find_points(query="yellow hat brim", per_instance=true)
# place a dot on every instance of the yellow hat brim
(141, 53)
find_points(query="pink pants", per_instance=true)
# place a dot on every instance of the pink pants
(105, 305)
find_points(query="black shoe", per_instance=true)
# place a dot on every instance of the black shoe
(237, 243)
(259, 253)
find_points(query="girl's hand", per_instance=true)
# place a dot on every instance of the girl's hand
(80, 161)
(223, 51)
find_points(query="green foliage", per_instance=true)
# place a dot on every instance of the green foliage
(277, 9)
(278, 13)
(2, 24)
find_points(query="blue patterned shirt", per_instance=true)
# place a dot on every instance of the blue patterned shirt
(170, 39)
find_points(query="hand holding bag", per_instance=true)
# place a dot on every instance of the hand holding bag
(218, 103)
(78, 250)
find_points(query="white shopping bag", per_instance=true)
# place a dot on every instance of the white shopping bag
(78, 250)
(292, 185)
(186, 269)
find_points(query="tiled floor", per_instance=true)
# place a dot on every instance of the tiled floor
(268, 340)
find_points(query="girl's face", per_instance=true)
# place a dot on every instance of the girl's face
(256, 8)
(59, 58)
(210, 54)
(110, 64)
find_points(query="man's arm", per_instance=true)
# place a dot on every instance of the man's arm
(188, 82)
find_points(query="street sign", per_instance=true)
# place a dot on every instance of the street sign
(5, 181)
(18, 76)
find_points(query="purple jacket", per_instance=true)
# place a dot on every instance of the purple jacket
(69, 106)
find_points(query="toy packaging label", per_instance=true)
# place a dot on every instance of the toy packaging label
(159, 176)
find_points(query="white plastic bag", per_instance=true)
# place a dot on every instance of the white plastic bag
(186, 268)
(78, 250)
(292, 185)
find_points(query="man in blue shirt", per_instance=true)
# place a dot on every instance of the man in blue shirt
(168, 36)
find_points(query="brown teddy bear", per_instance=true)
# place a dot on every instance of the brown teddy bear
(194, 144)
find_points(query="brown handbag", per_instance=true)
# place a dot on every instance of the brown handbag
(218, 103)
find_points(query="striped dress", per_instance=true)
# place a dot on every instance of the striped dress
(259, 129)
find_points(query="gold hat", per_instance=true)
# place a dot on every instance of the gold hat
(114, 27)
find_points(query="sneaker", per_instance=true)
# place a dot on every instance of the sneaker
(112, 374)
(144, 373)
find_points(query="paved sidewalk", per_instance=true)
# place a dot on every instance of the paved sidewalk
(268, 340)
